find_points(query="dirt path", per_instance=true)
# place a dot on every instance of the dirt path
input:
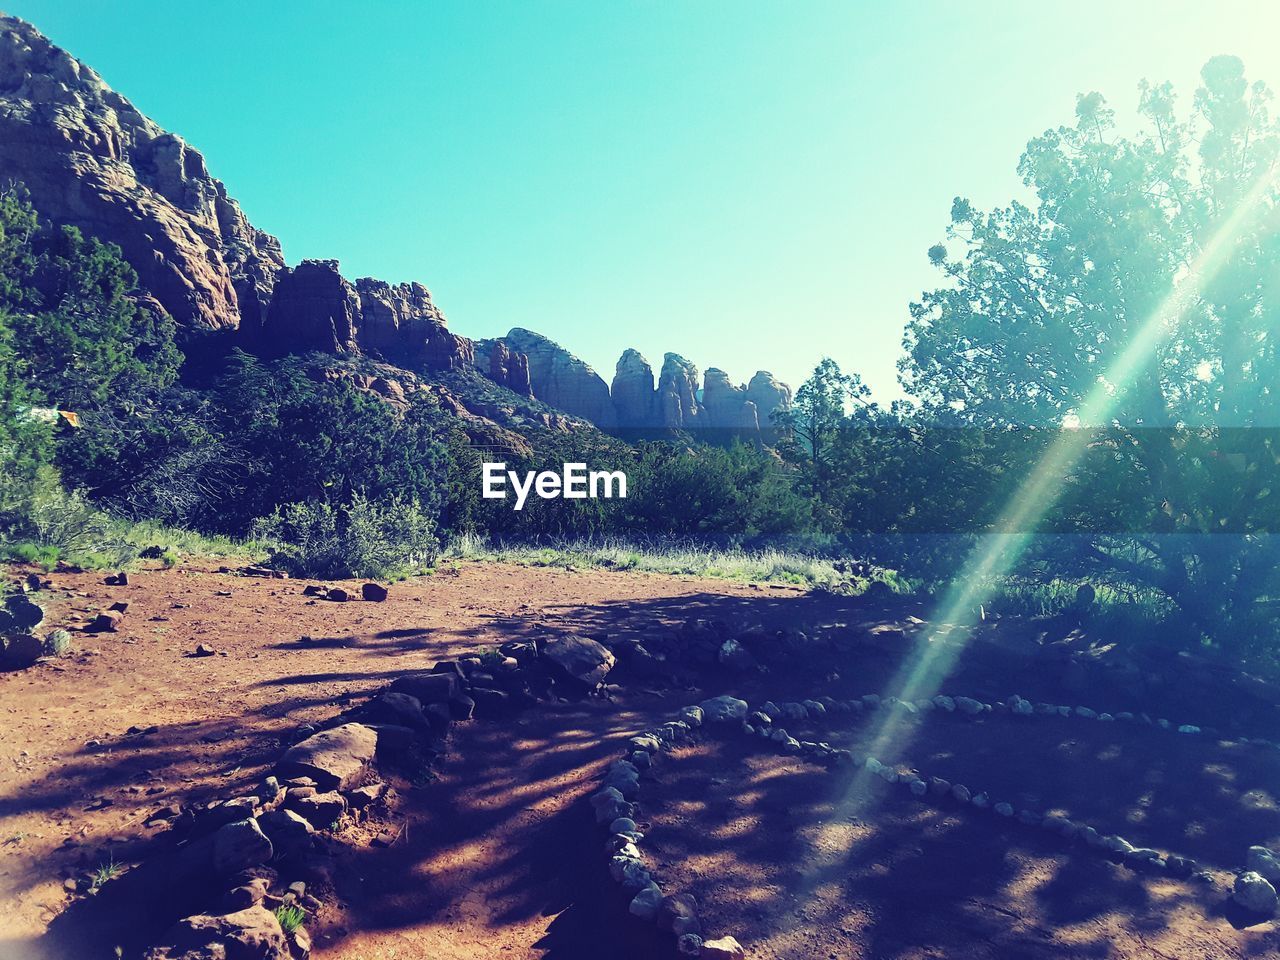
(501, 858)
(76, 784)
(497, 858)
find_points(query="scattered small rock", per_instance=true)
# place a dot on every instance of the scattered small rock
(645, 903)
(722, 948)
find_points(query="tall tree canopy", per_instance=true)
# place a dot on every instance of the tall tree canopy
(1136, 296)
(1177, 225)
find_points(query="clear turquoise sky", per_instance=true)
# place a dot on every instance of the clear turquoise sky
(750, 184)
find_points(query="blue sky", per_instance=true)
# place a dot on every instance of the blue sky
(753, 185)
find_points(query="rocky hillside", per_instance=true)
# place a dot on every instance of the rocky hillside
(90, 159)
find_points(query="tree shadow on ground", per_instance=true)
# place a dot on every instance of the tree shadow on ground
(505, 838)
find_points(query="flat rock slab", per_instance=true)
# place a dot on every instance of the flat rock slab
(427, 688)
(253, 932)
(334, 759)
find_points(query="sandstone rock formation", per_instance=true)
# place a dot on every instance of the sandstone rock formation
(769, 395)
(401, 323)
(720, 410)
(312, 308)
(562, 380)
(90, 159)
(726, 405)
(497, 361)
(678, 393)
(633, 392)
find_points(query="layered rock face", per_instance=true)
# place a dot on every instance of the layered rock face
(562, 380)
(504, 366)
(769, 396)
(633, 393)
(313, 308)
(401, 323)
(677, 402)
(727, 406)
(635, 405)
(91, 160)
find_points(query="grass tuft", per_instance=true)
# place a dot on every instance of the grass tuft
(677, 559)
(290, 917)
(107, 870)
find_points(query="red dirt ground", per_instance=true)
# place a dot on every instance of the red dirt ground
(497, 857)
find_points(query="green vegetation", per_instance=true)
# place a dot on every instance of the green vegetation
(290, 917)
(1117, 610)
(381, 539)
(1124, 320)
(105, 871)
(57, 643)
(689, 559)
(1102, 358)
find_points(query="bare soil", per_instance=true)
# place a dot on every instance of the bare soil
(498, 857)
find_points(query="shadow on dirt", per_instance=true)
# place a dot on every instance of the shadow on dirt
(503, 844)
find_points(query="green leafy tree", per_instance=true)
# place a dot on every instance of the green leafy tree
(73, 337)
(1139, 295)
(291, 438)
(813, 423)
(24, 443)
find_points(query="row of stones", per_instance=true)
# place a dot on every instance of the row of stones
(1255, 884)
(969, 706)
(616, 807)
(316, 784)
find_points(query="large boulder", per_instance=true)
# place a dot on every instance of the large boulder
(721, 709)
(19, 650)
(1265, 862)
(1255, 893)
(580, 658)
(396, 708)
(91, 160)
(319, 809)
(250, 934)
(20, 614)
(334, 759)
(289, 831)
(427, 688)
(238, 846)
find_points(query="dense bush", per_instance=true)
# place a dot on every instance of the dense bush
(360, 538)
